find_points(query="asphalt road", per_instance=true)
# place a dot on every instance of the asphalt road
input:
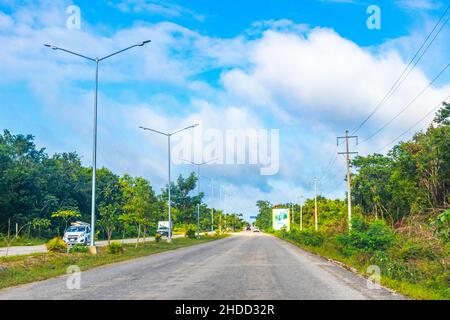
(244, 266)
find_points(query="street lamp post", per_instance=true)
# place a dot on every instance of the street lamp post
(198, 164)
(211, 181)
(94, 156)
(169, 135)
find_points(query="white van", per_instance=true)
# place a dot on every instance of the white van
(78, 233)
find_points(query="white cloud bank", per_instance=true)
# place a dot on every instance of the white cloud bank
(312, 84)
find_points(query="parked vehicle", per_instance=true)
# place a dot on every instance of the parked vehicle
(78, 233)
(163, 228)
(255, 229)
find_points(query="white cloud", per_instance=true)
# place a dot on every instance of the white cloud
(324, 78)
(160, 7)
(312, 84)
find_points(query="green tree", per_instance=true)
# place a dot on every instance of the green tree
(66, 215)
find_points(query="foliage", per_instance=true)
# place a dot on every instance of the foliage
(78, 248)
(158, 237)
(191, 233)
(366, 237)
(56, 245)
(441, 225)
(33, 185)
(114, 248)
(306, 237)
(185, 204)
(66, 215)
(413, 178)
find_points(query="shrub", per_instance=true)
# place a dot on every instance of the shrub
(311, 238)
(270, 230)
(411, 250)
(79, 248)
(158, 237)
(56, 245)
(190, 233)
(441, 225)
(114, 248)
(366, 237)
(217, 232)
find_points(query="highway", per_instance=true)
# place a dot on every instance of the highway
(244, 266)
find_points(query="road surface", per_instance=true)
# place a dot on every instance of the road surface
(244, 266)
(20, 250)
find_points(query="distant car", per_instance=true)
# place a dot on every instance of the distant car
(78, 233)
(255, 229)
(163, 232)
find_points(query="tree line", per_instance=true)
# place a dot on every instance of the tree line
(410, 182)
(41, 194)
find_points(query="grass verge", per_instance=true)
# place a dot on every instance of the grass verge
(23, 241)
(22, 269)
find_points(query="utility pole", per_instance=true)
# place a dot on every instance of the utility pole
(315, 203)
(293, 217)
(301, 214)
(347, 155)
(212, 207)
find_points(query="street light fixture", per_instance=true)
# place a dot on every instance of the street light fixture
(198, 164)
(169, 135)
(94, 160)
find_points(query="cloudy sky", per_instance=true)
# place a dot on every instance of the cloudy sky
(310, 69)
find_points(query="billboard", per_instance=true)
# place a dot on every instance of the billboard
(281, 218)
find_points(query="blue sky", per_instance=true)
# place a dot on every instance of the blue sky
(309, 68)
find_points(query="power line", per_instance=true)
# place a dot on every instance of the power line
(415, 124)
(409, 104)
(402, 76)
(329, 165)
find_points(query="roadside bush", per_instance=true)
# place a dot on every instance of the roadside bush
(366, 237)
(306, 237)
(441, 225)
(78, 248)
(190, 233)
(217, 232)
(270, 230)
(311, 238)
(114, 248)
(412, 251)
(158, 237)
(56, 245)
(395, 268)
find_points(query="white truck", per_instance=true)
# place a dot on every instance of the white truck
(78, 233)
(163, 228)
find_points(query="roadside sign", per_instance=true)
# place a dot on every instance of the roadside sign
(280, 219)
